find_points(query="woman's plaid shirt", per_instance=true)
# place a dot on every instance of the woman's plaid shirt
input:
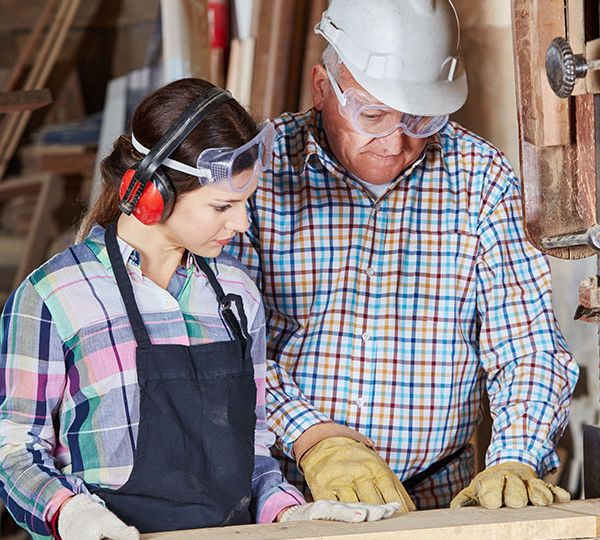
(69, 398)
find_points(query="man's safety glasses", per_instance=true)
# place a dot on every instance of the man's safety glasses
(373, 119)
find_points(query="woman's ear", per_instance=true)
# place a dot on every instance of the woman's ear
(320, 86)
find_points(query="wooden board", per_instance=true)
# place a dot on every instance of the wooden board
(36, 79)
(50, 192)
(577, 519)
(558, 156)
(545, 117)
(185, 39)
(312, 53)
(25, 100)
(272, 58)
(17, 14)
(576, 36)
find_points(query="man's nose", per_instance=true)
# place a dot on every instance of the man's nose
(394, 142)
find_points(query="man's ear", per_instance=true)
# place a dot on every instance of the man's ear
(320, 86)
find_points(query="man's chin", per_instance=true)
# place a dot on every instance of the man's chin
(376, 171)
(378, 176)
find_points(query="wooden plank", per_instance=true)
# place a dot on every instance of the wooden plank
(576, 36)
(185, 39)
(233, 83)
(577, 519)
(37, 78)
(21, 15)
(49, 189)
(34, 253)
(592, 80)
(245, 71)
(545, 117)
(30, 46)
(312, 53)
(272, 58)
(297, 36)
(558, 180)
(278, 59)
(113, 124)
(262, 49)
(59, 159)
(25, 100)
(218, 24)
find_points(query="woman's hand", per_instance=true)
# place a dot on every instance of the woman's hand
(338, 511)
(83, 518)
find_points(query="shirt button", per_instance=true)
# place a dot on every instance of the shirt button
(360, 402)
(370, 271)
(366, 336)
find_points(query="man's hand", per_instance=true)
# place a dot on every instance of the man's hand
(344, 469)
(337, 511)
(83, 518)
(511, 484)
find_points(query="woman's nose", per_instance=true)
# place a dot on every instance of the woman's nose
(239, 220)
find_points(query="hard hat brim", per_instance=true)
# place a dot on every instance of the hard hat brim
(425, 99)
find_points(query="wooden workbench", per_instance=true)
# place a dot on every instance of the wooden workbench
(576, 519)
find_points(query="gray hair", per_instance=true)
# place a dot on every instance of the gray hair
(331, 60)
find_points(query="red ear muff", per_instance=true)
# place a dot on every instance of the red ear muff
(156, 201)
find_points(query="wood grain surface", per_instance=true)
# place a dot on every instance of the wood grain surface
(576, 519)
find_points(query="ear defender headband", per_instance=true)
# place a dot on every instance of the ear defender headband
(145, 190)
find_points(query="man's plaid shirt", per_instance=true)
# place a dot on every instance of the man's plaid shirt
(393, 315)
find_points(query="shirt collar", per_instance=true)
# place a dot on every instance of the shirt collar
(313, 144)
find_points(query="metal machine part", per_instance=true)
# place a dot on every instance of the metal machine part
(563, 67)
(591, 238)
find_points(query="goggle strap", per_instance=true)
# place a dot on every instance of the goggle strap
(172, 163)
(336, 88)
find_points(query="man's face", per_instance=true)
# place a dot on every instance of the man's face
(374, 160)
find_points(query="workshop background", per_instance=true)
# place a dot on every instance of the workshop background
(97, 58)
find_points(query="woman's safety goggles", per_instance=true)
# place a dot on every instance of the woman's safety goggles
(373, 119)
(238, 168)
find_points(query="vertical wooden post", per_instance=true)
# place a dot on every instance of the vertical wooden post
(544, 116)
(558, 156)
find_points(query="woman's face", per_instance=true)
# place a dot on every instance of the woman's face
(205, 220)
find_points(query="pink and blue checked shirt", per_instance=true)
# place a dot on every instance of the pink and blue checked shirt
(393, 315)
(69, 399)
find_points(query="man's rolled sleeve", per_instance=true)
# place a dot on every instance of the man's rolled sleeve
(530, 374)
(289, 413)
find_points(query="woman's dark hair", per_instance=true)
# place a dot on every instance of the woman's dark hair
(229, 125)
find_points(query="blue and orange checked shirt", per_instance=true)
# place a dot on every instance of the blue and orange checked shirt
(393, 315)
(69, 398)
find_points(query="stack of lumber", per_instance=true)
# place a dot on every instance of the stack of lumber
(262, 51)
(40, 54)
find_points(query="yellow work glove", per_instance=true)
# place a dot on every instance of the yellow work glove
(511, 484)
(340, 468)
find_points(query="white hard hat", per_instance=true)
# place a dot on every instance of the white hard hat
(406, 53)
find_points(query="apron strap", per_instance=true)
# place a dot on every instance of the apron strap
(225, 300)
(237, 299)
(135, 319)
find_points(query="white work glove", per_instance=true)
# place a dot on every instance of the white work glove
(338, 511)
(83, 518)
